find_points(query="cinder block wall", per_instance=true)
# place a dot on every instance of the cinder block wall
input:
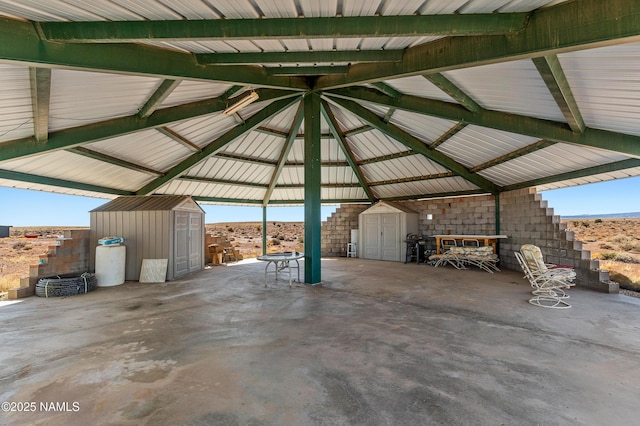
(70, 257)
(526, 219)
(336, 230)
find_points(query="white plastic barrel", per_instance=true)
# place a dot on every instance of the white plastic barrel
(110, 262)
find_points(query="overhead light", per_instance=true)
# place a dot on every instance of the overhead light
(241, 103)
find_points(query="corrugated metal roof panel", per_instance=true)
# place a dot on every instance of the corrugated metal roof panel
(200, 189)
(338, 175)
(346, 120)
(476, 145)
(234, 9)
(68, 166)
(359, 8)
(220, 168)
(441, 7)
(373, 144)
(483, 6)
(16, 120)
(527, 5)
(423, 127)
(602, 177)
(514, 87)
(419, 86)
(288, 194)
(190, 91)
(8, 183)
(329, 151)
(81, 97)
(291, 176)
(606, 85)
(431, 186)
(148, 203)
(150, 149)
(257, 145)
(204, 130)
(53, 10)
(190, 9)
(283, 120)
(405, 167)
(553, 160)
(152, 10)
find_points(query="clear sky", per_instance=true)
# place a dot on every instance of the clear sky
(33, 208)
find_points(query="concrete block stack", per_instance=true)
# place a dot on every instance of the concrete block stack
(71, 256)
(336, 230)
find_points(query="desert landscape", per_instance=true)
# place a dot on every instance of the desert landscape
(615, 242)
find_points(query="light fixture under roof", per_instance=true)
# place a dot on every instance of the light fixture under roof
(241, 103)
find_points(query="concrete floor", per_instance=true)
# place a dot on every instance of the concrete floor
(377, 343)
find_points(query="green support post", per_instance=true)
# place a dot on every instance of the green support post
(264, 230)
(312, 192)
(497, 212)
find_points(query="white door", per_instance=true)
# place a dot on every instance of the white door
(371, 244)
(181, 244)
(195, 242)
(390, 240)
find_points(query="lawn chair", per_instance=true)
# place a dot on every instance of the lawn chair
(533, 256)
(449, 253)
(548, 291)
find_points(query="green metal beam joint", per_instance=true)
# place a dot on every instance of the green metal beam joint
(444, 84)
(162, 92)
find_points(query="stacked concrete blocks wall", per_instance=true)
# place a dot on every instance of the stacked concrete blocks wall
(527, 219)
(70, 257)
(336, 230)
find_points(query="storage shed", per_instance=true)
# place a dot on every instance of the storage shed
(154, 227)
(5, 231)
(383, 229)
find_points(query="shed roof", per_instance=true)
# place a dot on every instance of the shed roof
(419, 98)
(150, 203)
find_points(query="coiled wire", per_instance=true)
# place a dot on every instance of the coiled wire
(61, 287)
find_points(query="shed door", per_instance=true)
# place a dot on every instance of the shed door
(390, 239)
(181, 249)
(371, 244)
(188, 243)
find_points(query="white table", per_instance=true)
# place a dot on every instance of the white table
(282, 261)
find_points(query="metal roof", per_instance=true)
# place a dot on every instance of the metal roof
(152, 202)
(420, 99)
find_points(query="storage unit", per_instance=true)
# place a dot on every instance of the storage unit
(5, 231)
(383, 228)
(154, 227)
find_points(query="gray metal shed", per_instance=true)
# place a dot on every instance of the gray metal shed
(154, 227)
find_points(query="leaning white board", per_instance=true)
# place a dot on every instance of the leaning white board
(153, 270)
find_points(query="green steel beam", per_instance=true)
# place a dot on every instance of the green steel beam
(40, 79)
(412, 179)
(222, 181)
(289, 57)
(245, 159)
(444, 84)
(513, 154)
(309, 70)
(334, 126)
(21, 43)
(284, 153)
(216, 145)
(323, 185)
(264, 230)
(89, 153)
(447, 135)
(45, 180)
(415, 144)
(497, 216)
(323, 164)
(283, 28)
(312, 189)
(554, 77)
(524, 125)
(589, 171)
(280, 133)
(566, 27)
(155, 100)
(69, 138)
(222, 200)
(387, 89)
(179, 138)
(357, 131)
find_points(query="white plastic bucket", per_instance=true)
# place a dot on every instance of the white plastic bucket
(110, 263)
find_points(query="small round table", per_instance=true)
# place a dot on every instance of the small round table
(282, 260)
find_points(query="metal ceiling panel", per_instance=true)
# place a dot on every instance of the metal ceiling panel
(329, 151)
(76, 168)
(407, 7)
(191, 91)
(360, 7)
(16, 111)
(80, 97)
(190, 9)
(103, 8)
(328, 194)
(150, 149)
(373, 144)
(277, 9)
(405, 167)
(527, 5)
(419, 86)
(257, 145)
(234, 9)
(291, 176)
(423, 127)
(149, 9)
(204, 130)
(483, 6)
(346, 120)
(51, 10)
(476, 145)
(431, 186)
(315, 8)
(440, 7)
(198, 189)
(190, 46)
(602, 177)
(288, 194)
(553, 160)
(223, 169)
(281, 121)
(338, 175)
(606, 85)
(8, 183)
(515, 87)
